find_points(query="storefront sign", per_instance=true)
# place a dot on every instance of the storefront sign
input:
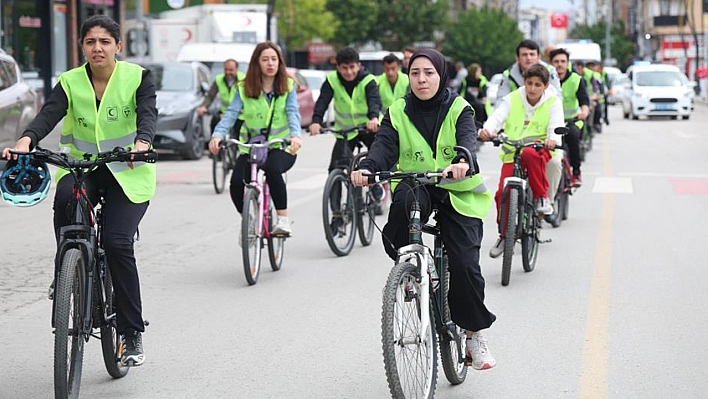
(30, 22)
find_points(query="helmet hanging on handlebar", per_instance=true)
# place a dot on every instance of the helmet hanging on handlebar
(25, 181)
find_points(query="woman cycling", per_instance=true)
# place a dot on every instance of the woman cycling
(418, 133)
(104, 104)
(267, 102)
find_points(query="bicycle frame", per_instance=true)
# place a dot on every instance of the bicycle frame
(261, 187)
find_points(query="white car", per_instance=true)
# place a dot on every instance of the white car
(657, 90)
(315, 78)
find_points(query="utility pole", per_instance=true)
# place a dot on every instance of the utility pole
(269, 15)
(608, 35)
(139, 34)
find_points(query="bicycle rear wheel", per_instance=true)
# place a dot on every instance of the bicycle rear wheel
(68, 324)
(338, 213)
(220, 167)
(110, 340)
(556, 218)
(512, 216)
(410, 360)
(251, 238)
(454, 367)
(529, 237)
(367, 214)
(276, 245)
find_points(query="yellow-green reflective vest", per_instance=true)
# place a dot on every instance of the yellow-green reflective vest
(225, 94)
(469, 197)
(389, 94)
(257, 114)
(515, 130)
(114, 124)
(571, 105)
(588, 75)
(598, 77)
(349, 112)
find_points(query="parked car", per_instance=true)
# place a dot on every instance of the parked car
(618, 82)
(305, 99)
(657, 90)
(18, 101)
(181, 88)
(493, 87)
(315, 78)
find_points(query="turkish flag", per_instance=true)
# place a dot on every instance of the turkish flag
(559, 20)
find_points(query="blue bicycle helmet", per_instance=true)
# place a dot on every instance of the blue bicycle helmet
(25, 181)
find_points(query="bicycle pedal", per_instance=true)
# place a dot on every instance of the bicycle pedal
(281, 235)
(146, 322)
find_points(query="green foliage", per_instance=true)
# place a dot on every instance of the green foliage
(300, 21)
(357, 20)
(404, 22)
(486, 36)
(622, 48)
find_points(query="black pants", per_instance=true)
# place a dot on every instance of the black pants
(597, 117)
(121, 219)
(278, 162)
(340, 157)
(462, 237)
(571, 142)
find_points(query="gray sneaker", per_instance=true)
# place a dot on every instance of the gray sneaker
(478, 352)
(544, 206)
(497, 249)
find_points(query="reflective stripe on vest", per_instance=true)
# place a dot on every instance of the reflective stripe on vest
(86, 129)
(225, 94)
(571, 105)
(515, 130)
(469, 197)
(349, 112)
(257, 114)
(388, 94)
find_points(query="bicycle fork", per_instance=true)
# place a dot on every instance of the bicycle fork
(416, 254)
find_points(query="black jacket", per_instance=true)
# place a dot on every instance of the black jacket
(373, 99)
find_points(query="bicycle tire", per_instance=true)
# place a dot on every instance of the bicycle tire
(512, 215)
(69, 348)
(455, 368)
(276, 245)
(529, 237)
(365, 221)
(251, 239)
(339, 226)
(219, 170)
(111, 347)
(556, 219)
(403, 385)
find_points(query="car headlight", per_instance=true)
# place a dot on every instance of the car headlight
(643, 96)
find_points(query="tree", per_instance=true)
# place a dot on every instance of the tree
(300, 21)
(404, 22)
(357, 20)
(486, 36)
(622, 48)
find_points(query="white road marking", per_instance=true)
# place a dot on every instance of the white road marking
(613, 185)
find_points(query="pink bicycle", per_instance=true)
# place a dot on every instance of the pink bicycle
(258, 215)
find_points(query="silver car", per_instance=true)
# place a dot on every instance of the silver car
(18, 101)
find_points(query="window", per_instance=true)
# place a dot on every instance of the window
(4, 79)
(664, 7)
(11, 72)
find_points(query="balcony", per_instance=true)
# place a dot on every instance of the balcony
(670, 20)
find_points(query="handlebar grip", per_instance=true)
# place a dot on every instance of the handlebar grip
(147, 156)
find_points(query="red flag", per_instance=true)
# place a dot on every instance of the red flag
(559, 20)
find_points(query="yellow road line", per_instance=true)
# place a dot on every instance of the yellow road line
(593, 383)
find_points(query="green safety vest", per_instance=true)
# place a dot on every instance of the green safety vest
(349, 112)
(114, 124)
(588, 75)
(257, 114)
(225, 94)
(598, 77)
(469, 197)
(514, 126)
(388, 94)
(482, 82)
(571, 105)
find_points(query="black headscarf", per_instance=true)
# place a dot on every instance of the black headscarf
(440, 65)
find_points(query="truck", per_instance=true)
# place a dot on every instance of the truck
(582, 50)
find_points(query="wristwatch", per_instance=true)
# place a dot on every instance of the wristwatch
(144, 141)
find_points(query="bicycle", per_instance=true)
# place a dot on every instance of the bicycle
(221, 165)
(419, 279)
(561, 201)
(83, 297)
(345, 207)
(518, 220)
(257, 219)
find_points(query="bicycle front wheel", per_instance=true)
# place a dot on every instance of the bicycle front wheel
(68, 324)
(410, 359)
(110, 340)
(338, 213)
(367, 214)
(276, 245)
(512, 216)
(452, 361)
(251, 238)
(529, 238)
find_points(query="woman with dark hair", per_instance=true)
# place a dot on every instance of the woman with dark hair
(266, 101)
(106, 103)
(428, 122)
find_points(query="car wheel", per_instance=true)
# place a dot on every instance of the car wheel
(626, 115)
(194, 147)
(685, 117)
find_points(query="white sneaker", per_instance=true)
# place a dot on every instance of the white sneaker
(282, 227)
(477, 350)
(544, 206)
(497, 249)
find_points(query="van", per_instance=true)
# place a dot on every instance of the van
(373, 60)
(582, 50)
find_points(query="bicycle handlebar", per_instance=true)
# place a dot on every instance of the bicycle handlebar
(504, 139)
(62, 160)
(422, 177)
(344, 132)
(268, 143)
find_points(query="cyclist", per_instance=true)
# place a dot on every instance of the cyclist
(106, 103)
(474, 90)
(599, 90)
(393, 84)
(461, 74)
(225, 85)
(528, 114)
(407, 53)
(593, 89)
(526, 55)
(576, 104)
(428, 122)
(267, 101)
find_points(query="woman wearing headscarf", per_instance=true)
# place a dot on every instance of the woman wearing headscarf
(418, 134)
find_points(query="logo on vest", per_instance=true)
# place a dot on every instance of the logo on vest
(81, 122)
(112, 114)
(448, 153)
(416, 156)
(126, 111)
